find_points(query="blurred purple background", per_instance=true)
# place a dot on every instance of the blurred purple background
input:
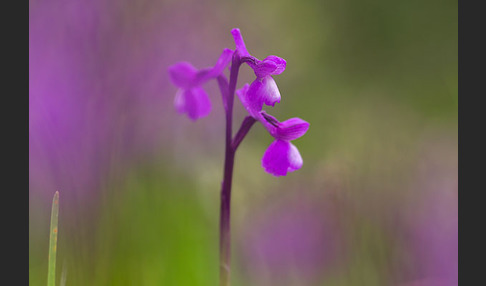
(374, 204)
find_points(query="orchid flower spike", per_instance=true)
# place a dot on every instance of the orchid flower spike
(263, 90)
(280, 158)
(191, 97)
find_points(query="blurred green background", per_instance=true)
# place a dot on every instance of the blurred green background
(375, 202)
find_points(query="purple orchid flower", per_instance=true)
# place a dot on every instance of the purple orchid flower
(281, 156)
(191, 97)
(263, 89)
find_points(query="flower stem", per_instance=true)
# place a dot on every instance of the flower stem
(245, 127)
(224, 238)
(225, 214)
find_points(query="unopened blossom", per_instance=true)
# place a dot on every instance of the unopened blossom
(191, 97)
(263, 89)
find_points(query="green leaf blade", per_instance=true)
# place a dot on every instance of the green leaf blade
(51, 274)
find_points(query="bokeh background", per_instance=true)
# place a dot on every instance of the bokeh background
(374, 204)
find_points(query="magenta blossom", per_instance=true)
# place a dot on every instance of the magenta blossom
(190, 97)
(263, 89)
(281, 156)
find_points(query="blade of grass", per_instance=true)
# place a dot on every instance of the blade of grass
(51, 274)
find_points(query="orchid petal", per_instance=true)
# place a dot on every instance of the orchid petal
(271, 65)
(264, 90)
(242, 91)
(252, 105)
(278, 61)
(291, 129)
(288, 130)
(263, 68)
(281, 157)
(205, 74)
(222, 62)
(295, 160)
(183, 74)
(195, 102)
(275, 160)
